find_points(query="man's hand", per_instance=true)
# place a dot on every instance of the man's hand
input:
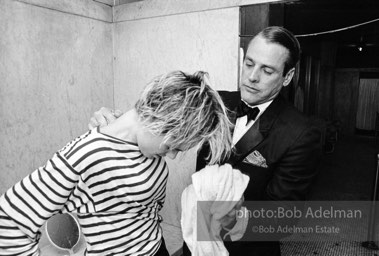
(103, 117)
(230, 219)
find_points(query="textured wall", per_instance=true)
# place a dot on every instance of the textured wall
(144, 48)
(194, 41)
(55, 70)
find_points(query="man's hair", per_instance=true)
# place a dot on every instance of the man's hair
(285, 38)
(187, 112)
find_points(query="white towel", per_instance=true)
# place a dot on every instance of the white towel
(223, 187)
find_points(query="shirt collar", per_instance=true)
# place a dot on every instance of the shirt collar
(262, 107)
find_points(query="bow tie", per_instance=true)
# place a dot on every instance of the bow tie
(245, 110)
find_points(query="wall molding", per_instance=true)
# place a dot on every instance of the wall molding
(107, 2)
(157, 8)
(114, 11)
(84, 8)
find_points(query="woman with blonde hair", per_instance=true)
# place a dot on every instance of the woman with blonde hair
(114, 177)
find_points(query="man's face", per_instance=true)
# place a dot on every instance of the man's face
(262, 71)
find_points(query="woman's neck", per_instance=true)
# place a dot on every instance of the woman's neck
(125, 127)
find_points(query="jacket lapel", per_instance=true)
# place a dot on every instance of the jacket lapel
(271, 114)
(246, 144)
(256, 134)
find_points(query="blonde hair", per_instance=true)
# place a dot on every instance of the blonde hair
(187, 112)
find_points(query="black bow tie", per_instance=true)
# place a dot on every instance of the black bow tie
(245, 110)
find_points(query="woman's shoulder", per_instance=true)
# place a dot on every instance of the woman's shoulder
(92, 141)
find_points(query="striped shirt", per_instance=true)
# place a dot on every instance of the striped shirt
(115, 191)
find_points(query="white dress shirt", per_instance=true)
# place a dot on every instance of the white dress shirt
(241, 127)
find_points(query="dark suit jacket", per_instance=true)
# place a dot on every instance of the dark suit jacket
(291, 145)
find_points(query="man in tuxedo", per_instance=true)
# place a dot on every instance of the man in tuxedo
(275, 144)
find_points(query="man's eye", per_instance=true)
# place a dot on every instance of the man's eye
(268, 71)
(249, 64)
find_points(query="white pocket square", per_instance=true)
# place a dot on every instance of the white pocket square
(256, 158)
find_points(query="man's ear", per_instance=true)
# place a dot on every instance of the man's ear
(288, 77)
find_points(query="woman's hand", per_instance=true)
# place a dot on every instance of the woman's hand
(103, 117)
(230, 219)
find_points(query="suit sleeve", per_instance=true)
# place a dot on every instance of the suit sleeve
(26, 206)
(295, 172)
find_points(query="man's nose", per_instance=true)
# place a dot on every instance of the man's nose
(254, 74)
(172, 154)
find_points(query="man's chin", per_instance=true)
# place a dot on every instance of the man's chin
(248, 99)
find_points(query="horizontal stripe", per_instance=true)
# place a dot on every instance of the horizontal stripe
(115, 191)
